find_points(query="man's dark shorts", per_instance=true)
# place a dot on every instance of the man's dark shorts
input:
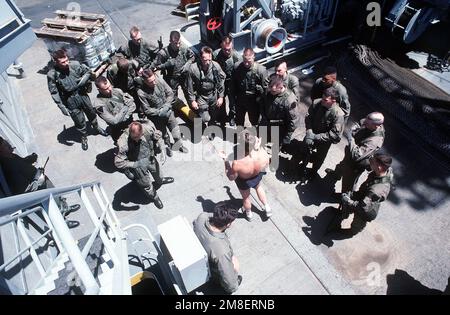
(245, 184)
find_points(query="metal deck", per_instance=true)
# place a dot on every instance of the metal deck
(288, 253)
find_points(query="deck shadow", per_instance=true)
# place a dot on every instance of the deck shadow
(105, 161)
(401, 283)
(208, 205)
(130, 193)
(317, 191)
(316, 229)
(69, 136)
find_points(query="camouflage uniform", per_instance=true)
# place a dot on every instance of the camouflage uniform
(319, 87)
(173, 65)
(228, 64)
(365, 144)
(123, 81)
(249, 87)
(324, 126)
(69, 96)
(116, 111)
(138, 159)
(365, 202)
(144, 53)
(280, 110)
(127, 82)
(157, 106)
(205, 88)
(291, 82)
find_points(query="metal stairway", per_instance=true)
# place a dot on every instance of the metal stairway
(39, 260)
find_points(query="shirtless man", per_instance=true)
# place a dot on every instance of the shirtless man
(248, 172)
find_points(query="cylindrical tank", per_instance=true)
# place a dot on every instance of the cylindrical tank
(269, 36)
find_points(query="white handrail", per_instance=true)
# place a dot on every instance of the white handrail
(13, 204)
(115, 244)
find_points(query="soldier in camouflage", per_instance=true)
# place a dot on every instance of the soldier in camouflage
(324, 126)
(173, 61)
(144, 53)
(249, 79)
(69, 84)
(227, 58)
(365, 203)
(125, 75)
(206, 88)
(157, 97)
(329, 79)
(114, 106)
(136, 157)
(364, 140)
(290, 80)
(279, 108)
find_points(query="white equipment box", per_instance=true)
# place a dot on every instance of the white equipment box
(189, 264)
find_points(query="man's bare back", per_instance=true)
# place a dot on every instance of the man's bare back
(248, 173)
(251, 165)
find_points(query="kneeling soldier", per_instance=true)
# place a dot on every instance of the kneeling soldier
(114, 107)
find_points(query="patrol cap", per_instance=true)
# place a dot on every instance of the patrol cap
(376, 118)
(383, 159)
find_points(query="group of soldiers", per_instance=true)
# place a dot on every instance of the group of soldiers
(134, 85)
(222, 87)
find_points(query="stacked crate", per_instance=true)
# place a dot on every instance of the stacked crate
(86, 37)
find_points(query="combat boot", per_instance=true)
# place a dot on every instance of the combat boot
(167, 180)
(183, 149)
(102, 131)
(84, 143)
(158, 203)
(66, 209)
(72, 224)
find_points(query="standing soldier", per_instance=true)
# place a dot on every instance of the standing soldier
(227, 57)
(328, 80)
(156, 97)
(137, 158)
(210, 231)
(142, 52)
(69, 84)
(205, 87)
(114, 106)
(124, 75)
(173, 61)
(365, 203)
(249, 85)
(280, 108)
(290, 80)
(364, 140)
(324, 125)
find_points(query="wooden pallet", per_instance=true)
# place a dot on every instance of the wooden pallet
(61, 34)
(189, 11)
(72, 26)
(81, 15)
